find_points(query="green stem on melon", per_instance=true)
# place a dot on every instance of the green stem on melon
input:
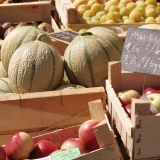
(35, 24)
(86, 34)
(39, 37)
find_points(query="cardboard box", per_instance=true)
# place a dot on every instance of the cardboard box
(140, 133)
(35, 112)
(108, 146)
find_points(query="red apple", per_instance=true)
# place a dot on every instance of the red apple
(2, 153)
(128, 109)
(150, 90)
(87, 136)
(73, 143)
(19, 146)
(126, 96)
(42, 149)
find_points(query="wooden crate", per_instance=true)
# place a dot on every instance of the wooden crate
(109, 149)
(69, 18)
(29, 11)
(38, 11)
(140, 134)
(34, 112)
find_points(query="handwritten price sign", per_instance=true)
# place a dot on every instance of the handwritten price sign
(65, 36)
(141, 52)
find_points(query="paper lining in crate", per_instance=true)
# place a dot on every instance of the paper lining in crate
(34, 112)
(108, 150)
(140, 133)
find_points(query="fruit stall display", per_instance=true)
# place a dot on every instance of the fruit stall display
(27, 54)
(135, 122)
(70, 143)
(47, 84)
(83, 14)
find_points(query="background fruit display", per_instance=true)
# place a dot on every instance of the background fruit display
(117, 11)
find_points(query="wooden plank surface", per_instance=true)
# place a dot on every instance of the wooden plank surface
(53, 109)
(117, 106)
(108, 153)
(96, 109)
(117, 27)
(29, 11)
(146, 139)
(114, 75)
(66, 11)
(123, 80)
(142, 80)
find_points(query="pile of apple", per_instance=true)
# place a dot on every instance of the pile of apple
(22, 146)
(117, 11)
(152, 94)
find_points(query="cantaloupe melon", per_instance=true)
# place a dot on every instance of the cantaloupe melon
(3, 73)
(16, 38)
(5, 86)
(35, 67)
(87, 56)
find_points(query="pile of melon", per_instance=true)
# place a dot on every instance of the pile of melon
(30, 63)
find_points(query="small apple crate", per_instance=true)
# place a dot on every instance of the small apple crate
(35, 112)
(140, 133)
(109, 149)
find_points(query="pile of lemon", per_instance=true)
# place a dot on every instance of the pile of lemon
(117, 11)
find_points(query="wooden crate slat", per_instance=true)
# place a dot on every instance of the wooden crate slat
(146, 137)
(30, 11)
(143, 143)
(33, 112)
(66, 11)
(96, 109)
(120, 111)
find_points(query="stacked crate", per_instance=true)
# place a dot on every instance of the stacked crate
(139, 134)
(108, 150)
